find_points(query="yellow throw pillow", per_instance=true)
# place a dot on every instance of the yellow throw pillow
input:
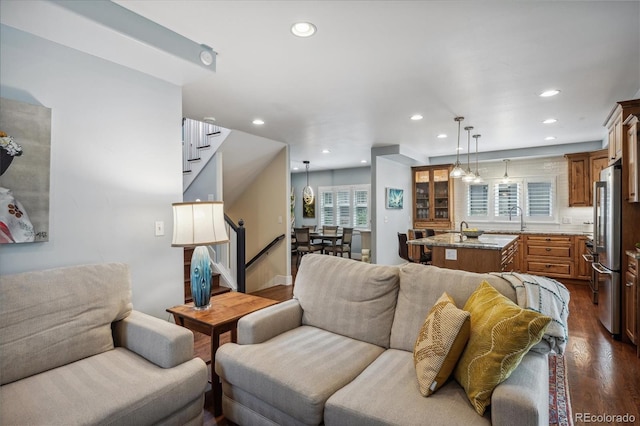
(439, 344)
(501, 334)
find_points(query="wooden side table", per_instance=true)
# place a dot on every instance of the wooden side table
(222, 316)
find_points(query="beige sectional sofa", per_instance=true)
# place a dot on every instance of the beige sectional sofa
(341, 353)
(72, 351)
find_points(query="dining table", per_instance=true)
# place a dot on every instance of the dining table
(321, 236)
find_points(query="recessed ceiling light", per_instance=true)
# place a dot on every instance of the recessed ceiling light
(258, 122)
(303, 29)
(549, 93)
(442, 136)
(416, 117)
(363, 161)
(209, 118)
(296, 168)
(550, 138)
(549, 121)
(206, 57)
(326, 151)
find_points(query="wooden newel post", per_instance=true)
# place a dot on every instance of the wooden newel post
(241, 256)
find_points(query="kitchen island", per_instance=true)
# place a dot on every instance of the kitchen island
(487, 253)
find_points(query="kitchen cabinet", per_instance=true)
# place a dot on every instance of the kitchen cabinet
(582, 267)
(432, 197)
(615, 127)
(630, 322)
(584, 169)
(550, 255)
(488, 253)
(633, 128)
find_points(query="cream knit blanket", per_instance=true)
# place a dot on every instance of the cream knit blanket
(546, 296)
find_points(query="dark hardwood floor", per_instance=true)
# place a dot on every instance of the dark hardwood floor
(604, 374)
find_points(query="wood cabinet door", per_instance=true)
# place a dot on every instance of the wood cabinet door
(632, 161)
(579, 180)
(598, 160)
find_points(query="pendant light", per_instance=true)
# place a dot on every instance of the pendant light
(307, 191)
(469, 176)
(457, 171)
(505, 178)
(478, 178)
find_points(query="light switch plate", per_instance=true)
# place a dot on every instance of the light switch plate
(159, 228)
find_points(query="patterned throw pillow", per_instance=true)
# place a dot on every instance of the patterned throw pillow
(439, 344)
(501, 334)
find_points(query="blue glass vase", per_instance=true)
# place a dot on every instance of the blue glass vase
(201, 278)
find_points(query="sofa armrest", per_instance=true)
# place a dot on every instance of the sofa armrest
(163, 343)
(267, 323)
(525, 394)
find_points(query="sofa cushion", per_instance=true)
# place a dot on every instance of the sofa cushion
(501, 334)
(421, 286)
(53, 317)
(297, 371)
(113, 387)
(387, 393)
(351, 298)
(439, 344)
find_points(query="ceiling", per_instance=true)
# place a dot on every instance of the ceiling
(373, 64)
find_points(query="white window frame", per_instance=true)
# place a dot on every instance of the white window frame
(524, 201)
(352, 205)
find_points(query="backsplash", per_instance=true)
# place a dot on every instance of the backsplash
(580, 218)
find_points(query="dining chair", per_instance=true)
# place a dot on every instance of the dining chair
(329, 243)
(345, 243)
(403, 250)
(304, 244)
(425, 256)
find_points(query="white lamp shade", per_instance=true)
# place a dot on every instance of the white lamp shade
(198, 224)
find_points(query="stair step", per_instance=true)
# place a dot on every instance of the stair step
(203, 146)
(194, 159)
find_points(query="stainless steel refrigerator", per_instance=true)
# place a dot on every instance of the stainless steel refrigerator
(607, 233)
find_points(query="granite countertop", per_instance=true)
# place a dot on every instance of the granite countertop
(452, 240)
(527, 232)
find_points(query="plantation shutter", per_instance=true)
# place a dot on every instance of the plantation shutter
(507, 196)
(344, 208)
(361, 211)
(539, 199)
(478, 200)
(326, 208)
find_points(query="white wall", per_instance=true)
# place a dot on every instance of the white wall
(115, 165)
(544, 167)
(388, 223)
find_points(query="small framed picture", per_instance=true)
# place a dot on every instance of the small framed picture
(395, 198)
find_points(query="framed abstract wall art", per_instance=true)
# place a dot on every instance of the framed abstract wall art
(395, 198)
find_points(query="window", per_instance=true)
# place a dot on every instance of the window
(535, 196)
(507, 197)
(540, 199)
(345, 206)
(478, 201)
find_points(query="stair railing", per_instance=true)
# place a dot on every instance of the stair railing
(265, 250)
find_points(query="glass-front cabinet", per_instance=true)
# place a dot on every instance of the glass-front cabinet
(432, 197)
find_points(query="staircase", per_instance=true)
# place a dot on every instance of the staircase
(200, 141)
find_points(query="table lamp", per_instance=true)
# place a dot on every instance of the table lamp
(199, 224)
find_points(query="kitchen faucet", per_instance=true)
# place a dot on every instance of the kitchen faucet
(466, 226)
(521, 216)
